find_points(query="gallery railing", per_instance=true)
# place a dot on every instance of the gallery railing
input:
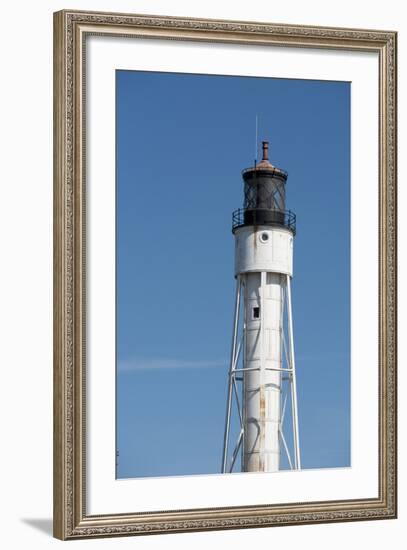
(282, 218)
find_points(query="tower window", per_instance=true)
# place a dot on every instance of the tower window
(256, 313)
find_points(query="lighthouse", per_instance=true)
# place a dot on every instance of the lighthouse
(262, 389)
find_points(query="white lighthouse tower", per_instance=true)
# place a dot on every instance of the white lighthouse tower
(262, 394)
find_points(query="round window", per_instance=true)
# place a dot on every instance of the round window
(264, 237)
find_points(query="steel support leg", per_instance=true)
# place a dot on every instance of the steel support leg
(297, 457)
(231, 374)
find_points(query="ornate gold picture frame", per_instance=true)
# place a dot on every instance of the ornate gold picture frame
(72, 519)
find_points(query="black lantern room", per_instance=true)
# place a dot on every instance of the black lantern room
(264, 196)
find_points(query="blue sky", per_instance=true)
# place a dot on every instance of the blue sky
(182, 141)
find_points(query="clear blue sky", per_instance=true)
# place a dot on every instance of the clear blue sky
(182, 141)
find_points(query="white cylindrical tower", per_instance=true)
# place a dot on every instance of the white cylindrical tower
(264, 233)
(263, 279)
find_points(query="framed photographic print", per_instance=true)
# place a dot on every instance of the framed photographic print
(225, 274)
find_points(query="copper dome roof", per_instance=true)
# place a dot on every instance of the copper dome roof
(265, 164)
